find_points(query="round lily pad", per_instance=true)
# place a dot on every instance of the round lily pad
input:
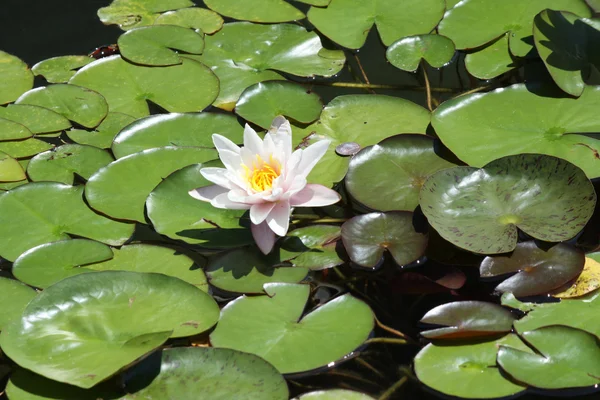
(262, 102)
(538, 270)
(44, 212)
(10, 169)
(189, 86)
(389, 175)
(120, 189)
(78, 104)
(348, 22)
(158, 45)
(256, 10)
(335, 394)
(467, 319)
(491, 61)
(65, 162)
(564, 358)
(273, 327)
(480, 209)
(363, 119)
(10, 130)
(366, 237)
(247, 270)
(479, 128)
(16, 77)
(14, 296)
(199, 19)
(105, 321)
(587, 282)
(101, 136)
(312, 247)
(408, 52)
(24, 148)
(192, 129)
(130, 14)
(192, 373)
(39, 120)
(468, 370)
(60, 69)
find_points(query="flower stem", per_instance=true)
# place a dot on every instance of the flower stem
(388, 393)
(427, 86)
(386, 340)
(392, 330)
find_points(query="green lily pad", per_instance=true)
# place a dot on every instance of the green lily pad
(408, 52)
(44, 212)
(130, 14)
(480, 128)
(468, 370)
(158, 44)
(176, 214)
(60, 69)
(64, 163)
(199, 19)
(193, 129)
(366, 237)
(256, 10)
(538, 270)
(38, 120)
(247, 270)
(78, 104)
(190, 373)
(120, 189)
(273, 327)
(10, 130)
(14, 297)
(480, 209)
(567, 44)
(491, 61)
(17, 78)
(467, 319)
(476, 23)
(363, 119)
(389, 175)
(335, 394)
(565, 358)
(12, 185)
(242, 54)
(312, 247)
(24, 148)
(102, 136)
(10, 169)
(105, 322)
(348, 22)
(262, 102)
(189, 86)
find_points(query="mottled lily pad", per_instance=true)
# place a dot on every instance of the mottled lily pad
(408, 52)
(480, 209)
(130, 14)
(256, 10)
(39, 120)
(16, 79)
(102, 136)
(199, 19)
(60, 69)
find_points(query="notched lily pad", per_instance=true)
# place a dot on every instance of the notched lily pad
(130, 14)
(17, 78)
(60, 69)
(492, 60)
(101, 136)
(199, 19)
(408, 52)
(313, 247)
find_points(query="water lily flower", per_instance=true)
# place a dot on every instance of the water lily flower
(265, 177)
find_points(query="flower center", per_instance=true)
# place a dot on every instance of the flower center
(263, 174)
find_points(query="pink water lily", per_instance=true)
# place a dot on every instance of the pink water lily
(265, 177)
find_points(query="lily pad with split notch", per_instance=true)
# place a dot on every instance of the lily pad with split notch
(538, 270)
(366, 237)
(313, 247)
(407, 53)
(17, 78)
(480, 209)
(60, 69)
(129, 14)
(102, 136)
(274, 328)
(492, 60)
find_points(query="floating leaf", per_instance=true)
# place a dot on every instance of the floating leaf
(256, 10)
(389, 175)
(467, 370)
(190, 373)
(273, 327)
(102, 136)
(408, 52)
(189, 86)
(262, 102)
(312, 247)
(16, 78)
(348, 22)
(10, 130)
(24, 148)
(538, 270)
(193, 129)
(12, 185)
(335, 394)
(65, 162)
(38, 120)
(60, 69)
(130, 14)
(10, 169)
(467, 319)
(78, 104)
(475, 23)
(105, 321)
(44, 212)
(14, 297)
(247, 270)
(157, 45)
(567, 44)
(480, 209)
(120, 189)
(367, 236)
(564, 358)
(199, 19)
(491, 61)
(587, 282)
(429, 278)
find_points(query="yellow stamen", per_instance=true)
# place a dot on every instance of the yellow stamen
(262, 174)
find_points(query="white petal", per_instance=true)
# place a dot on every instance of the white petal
(258, 212)
(222, 201)
(264, 237)
(207, 193)
(252, 141)
(297, 184)
(311, 156)
(314, 195)
(279, 218)
(217, 175)
(222, 143)
(282, 138)
(232, 161)
(241, 196)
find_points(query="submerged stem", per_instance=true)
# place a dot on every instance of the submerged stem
(391, 87)
(388, 393)
(392, 330)
(387, 340)
(427, 86)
